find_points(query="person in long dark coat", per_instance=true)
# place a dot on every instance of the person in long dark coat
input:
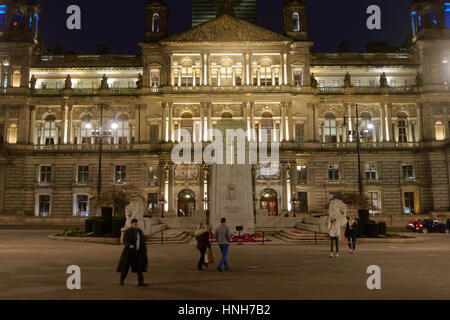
(134, 254)
(202, 236)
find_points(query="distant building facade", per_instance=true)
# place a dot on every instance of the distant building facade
(50, 108)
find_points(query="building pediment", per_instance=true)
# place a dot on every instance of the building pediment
(226, 28)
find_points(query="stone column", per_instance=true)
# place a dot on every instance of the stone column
(64, 115)
(283, 121)
(388, 108)
(283, 186)
(252, 121)
(172, 209)
(70, 132)
(310, 127)
(201, 123)
(208, 106)
(382, 123)
(419, 130)
(290, 123)
(32, 133)
(163, 122)
(170, 122)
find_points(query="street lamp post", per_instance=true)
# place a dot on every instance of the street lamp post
(358, 148)
(294, 204)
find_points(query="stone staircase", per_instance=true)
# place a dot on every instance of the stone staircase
(153, 226)
(170, 236)
(305, 237)
(313, 224)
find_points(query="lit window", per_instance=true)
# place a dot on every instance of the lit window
(120, 174)
(372, 199)
(302, 174)
(44, 206)
(81, 209)
(295, 22)
(408, 171)
(371, 172)
(440, 131)
(45, 174)
(50, 130)
(329, 129)
(12, 134)
(83, 175)
(402, 126)
(154, 78)
(153, 176)
(333, 172)
(155, 23)
(298, 77)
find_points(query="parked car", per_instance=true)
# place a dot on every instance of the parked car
(432, 225)
(413, 224)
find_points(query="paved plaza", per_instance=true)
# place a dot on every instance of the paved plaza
(34, 267)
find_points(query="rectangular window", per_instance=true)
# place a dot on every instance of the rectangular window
(357, 83)
(83, 175)
(321, 83)
(44, 205)
(152, 206)
(45, 174)
(116, 84)
(371, 172)
(153, 176)
(44, 85)
(372, 83)
(154, 133)
(300, 133)
(298, 77)
(16, 77)
(302, 175)
(80, 85)
(372, 199)
(59, 85)
(393, 83)
(130, 84)
(335, 83)
(81, 205)
(408, 172)
(409, 202)
(120, 174)
(333, 172)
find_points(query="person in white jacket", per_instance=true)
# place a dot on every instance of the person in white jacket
(334, 230)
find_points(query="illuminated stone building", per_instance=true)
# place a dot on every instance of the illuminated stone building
(224, 68)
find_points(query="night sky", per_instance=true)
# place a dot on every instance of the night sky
(120, 24)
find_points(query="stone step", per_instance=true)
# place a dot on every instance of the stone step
(309, 235)
(283, 237)
(311, 220)
(170, 237)
(307, 227)
(157, 228)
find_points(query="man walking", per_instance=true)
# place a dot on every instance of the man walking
(223, 237)
(134, 254)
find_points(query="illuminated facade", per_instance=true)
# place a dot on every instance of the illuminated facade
(224, 68)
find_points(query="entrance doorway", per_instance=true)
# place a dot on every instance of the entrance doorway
(302, 202)
(269, 201)
(186, 203)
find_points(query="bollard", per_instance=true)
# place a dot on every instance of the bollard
(162, 236)
(263, 238)
(315, 237)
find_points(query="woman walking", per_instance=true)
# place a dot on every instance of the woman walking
(334, 230)
(351, 230)
(202, 236)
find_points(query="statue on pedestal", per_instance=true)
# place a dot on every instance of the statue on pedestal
(135, 210)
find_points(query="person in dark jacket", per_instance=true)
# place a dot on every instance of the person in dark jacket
(134, 254)
(351, 230)
(202, 236)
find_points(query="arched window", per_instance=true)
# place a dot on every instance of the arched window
(295, 22)
(266, 73)
(367, 127)
(186, 203)
(402, 125)
(87, 130)
(329, 129)
(50, 130)
(155, 23)
(440, 131)
(187, 74)
(269, 201)
(266, 126)
(123, 130)
(226, 73)
(227, 116)
(12, 133)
